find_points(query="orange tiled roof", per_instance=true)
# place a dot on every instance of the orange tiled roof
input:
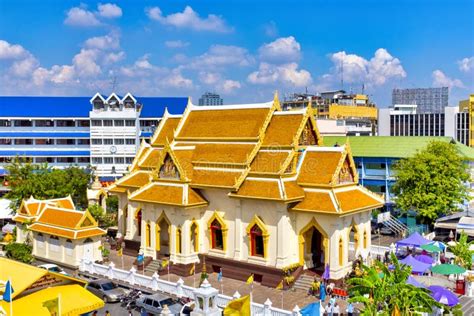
(215, 178)
(21, 218)
(117, 189)
(356, 199)
(282, 129)
(317, 202)
(89, 233)
(184, 157)
(52, 230)
(318, 167)
(151, 158)
(162, 193)
(293, 191)
(60, 217)
(222, 153)
(136, 179)
(232, 123)
(65, 203)
(269, 161)
(167, 131)
(259, 189)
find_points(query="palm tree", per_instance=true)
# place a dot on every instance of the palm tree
(382, 291)
(462, 252)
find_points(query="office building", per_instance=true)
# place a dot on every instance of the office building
(210, 98)
(428, 100)
(101, 132)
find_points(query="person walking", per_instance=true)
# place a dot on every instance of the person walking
(322, 292)
(336, 309)
(350, 309)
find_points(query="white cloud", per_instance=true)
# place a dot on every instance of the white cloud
(356, 69)
(176, 80)
(228, 86)
(106, 42)
(209, 78)
(12, 51)
(112, 58)
(81, 17)
(176, 44)
(85, 63)
(283, 49)
(109, 10)
(286, 74)
(189, 19)
(441, 80)
(466, 64)
(222, 55)
(24, 67)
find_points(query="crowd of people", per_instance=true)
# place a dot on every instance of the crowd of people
(324, 291)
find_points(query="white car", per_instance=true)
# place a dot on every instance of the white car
(53, 268)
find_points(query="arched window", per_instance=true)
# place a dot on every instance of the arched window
(125, 219)
(341, 252)
(217, 240)
(194, 232)
(148, 234)
(40, 240)
(53, 243)
(69, 247)
(257, 247)
(88, 240)
(178, 240)
(138, 217)
(365, 239)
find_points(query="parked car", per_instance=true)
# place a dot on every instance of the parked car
(107, 290)
(153, 304)
(53, 268)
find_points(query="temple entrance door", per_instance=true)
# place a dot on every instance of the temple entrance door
(317, 253)
(164, 237)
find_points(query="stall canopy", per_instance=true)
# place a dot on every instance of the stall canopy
(466, 224)
(414, 239)
(411, 280)
(416, 266)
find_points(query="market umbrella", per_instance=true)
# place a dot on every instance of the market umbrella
(444, 296)
(448, 269)
(430, 248)
(411, 280)
(440, 245)
(424, 259)
(325, 275)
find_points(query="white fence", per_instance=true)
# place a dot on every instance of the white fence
(154, 283)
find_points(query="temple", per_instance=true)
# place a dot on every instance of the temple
(246, 189)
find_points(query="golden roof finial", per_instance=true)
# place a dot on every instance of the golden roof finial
(276, 101)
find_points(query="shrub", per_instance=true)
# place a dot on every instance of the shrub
(20, 252)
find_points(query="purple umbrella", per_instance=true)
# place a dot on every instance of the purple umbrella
(444, 296)
(411, 280)
(424, 259)
(325, 275)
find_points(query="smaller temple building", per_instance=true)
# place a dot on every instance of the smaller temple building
(58, 232)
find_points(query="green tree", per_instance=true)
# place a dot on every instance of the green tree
(432, 182)
(462, 252)
(382, 290)
(104, 219)
(112, 204)
(20, 252)
(42, 182)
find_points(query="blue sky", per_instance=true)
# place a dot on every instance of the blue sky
(243, 50)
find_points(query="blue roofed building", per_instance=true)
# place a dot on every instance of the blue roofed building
(103, 132)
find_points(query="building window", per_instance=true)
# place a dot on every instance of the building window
(44, 141)
(5, 123)
(194, 231)
(54, 244)
(83, 123)
(341, 252)
(138, 217)
(119, 160)
(23, 141)
(96, 141)
(44, 159)
(5, 141)
(96, 160)
(130, 141)
(178, 240)
(129, 123)
(69, 247)
(365, 239)
(128, 160)
(148, 234)
(108, 160)
(44, 123)
(108, 123)
(22, 123)
(65, 123)
(40, 240)
(256, 241)
(119, 141)
(108, 141)
(83, 141)
(96, 123)
(119, 123)
(65, 159)
(217, 240)
(83, 160)
(63, 141)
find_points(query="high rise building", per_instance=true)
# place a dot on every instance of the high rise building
(427, 100)
(210, 98)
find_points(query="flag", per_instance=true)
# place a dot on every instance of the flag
(164, 263)
(120, 252)
(52, 306)
(219, 276)
(250, 279)
(193, 268)
(7, 295)
(280, 285)
(238, 307)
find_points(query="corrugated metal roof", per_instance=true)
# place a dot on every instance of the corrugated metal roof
(392, 146)
(74, 107)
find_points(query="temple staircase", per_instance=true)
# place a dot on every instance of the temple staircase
(303, 282)
(397, 227)
(153, 266)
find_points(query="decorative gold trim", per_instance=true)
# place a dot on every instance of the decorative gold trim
(256, 220)
(313, 224)
(196, 234)
(168, 150)
(356, 235)
(224, 229)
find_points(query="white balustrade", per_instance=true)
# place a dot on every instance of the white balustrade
(154, 283)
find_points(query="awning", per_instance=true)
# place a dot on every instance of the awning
(449, 225)
(414, 239)
(466, 224)
(74, 300)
